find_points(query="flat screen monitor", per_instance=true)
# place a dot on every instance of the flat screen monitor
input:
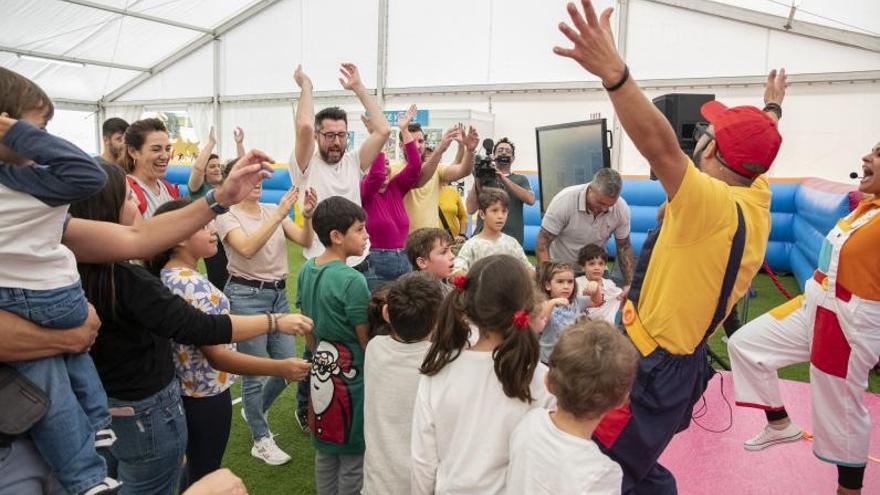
(570, 154)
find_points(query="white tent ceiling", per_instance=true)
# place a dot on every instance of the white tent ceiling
(120, 41)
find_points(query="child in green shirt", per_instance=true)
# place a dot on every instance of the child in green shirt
(335, 296)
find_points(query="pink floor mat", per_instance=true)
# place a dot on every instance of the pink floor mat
(716, 463)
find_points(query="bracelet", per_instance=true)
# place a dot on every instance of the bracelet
(620, 83)
(775, 108)
(213, 204)
(273, 324)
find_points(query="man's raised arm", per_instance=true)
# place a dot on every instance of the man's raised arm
(305, 121)
(649, 130)
(351, 80)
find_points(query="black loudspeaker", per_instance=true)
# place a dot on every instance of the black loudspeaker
(683, 112)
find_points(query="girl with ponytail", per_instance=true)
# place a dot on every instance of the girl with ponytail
(471, 397)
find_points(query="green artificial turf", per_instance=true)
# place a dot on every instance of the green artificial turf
(297, 477)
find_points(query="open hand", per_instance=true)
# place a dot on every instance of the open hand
(472, 139)
(404, 118)
(219, 482)
(287, 202)
(310, 202)
(593, 40)
(238, 134)
(351, 77)
(774, 90)
(212, 136)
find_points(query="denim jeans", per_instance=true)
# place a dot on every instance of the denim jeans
(259, 392)
(151, 439)
(65, 436)
(386, 265)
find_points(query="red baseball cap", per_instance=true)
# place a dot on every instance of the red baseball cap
(747, 138)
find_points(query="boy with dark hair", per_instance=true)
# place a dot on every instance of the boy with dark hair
(491, 240)
(335, 296)
(602, 292)
(592, 369)
(430, 250)
(392, 378)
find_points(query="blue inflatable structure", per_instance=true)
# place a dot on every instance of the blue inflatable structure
(802, 213)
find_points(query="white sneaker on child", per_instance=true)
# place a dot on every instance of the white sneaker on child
(266, 450)
(106, 487)
(771, 436)
(105, 438)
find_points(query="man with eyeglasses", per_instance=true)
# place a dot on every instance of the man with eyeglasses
(319, 157)
(696, 265)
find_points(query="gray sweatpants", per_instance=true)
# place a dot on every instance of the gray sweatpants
(22, 470)
(339, 474)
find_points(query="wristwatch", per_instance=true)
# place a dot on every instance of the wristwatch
(214, 205)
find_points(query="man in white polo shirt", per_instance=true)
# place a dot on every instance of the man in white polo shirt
(588, 214)
(327, 167)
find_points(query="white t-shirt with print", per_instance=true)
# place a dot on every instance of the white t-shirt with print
(477, 248)
(343, 178)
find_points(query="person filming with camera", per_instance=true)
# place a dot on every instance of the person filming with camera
(515, 185)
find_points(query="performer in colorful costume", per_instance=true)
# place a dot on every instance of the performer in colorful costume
(835, 326)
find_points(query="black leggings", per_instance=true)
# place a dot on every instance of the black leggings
(208, 420)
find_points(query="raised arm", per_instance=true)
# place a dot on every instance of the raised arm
(249, 245)
(238, 135)
(430, 165)
(23, 340)
(305, 121)
(197, 174)
(649, 130)
(464, 168)
(351, 80)
(104, 242)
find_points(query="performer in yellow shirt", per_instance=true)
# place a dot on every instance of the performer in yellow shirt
(700, 261)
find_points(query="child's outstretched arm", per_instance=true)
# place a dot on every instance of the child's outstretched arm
(62, 173)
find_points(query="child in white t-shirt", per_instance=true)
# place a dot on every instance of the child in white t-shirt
(552, 452)
(491, 240)
(601, 294)
(470, 398)
(391, 379)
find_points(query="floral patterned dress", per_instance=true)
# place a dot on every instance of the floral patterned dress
(197, 377)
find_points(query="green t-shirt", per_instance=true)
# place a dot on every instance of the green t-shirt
(201, 191)
(514, 226)
(335, 297)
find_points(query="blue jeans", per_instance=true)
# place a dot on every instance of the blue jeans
(65, 436)
(151, 439)
(386, 265)
(259, 392)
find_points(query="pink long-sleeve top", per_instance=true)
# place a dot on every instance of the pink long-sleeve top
(387, 221)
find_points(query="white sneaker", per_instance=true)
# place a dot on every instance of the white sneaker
(106, 487)
(266, 450)
(104, 438)
(770, 436)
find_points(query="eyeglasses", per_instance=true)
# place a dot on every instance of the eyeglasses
(702, 129)
(333, 136)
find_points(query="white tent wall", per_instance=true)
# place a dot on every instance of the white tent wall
(481, 42)
(76, 126)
